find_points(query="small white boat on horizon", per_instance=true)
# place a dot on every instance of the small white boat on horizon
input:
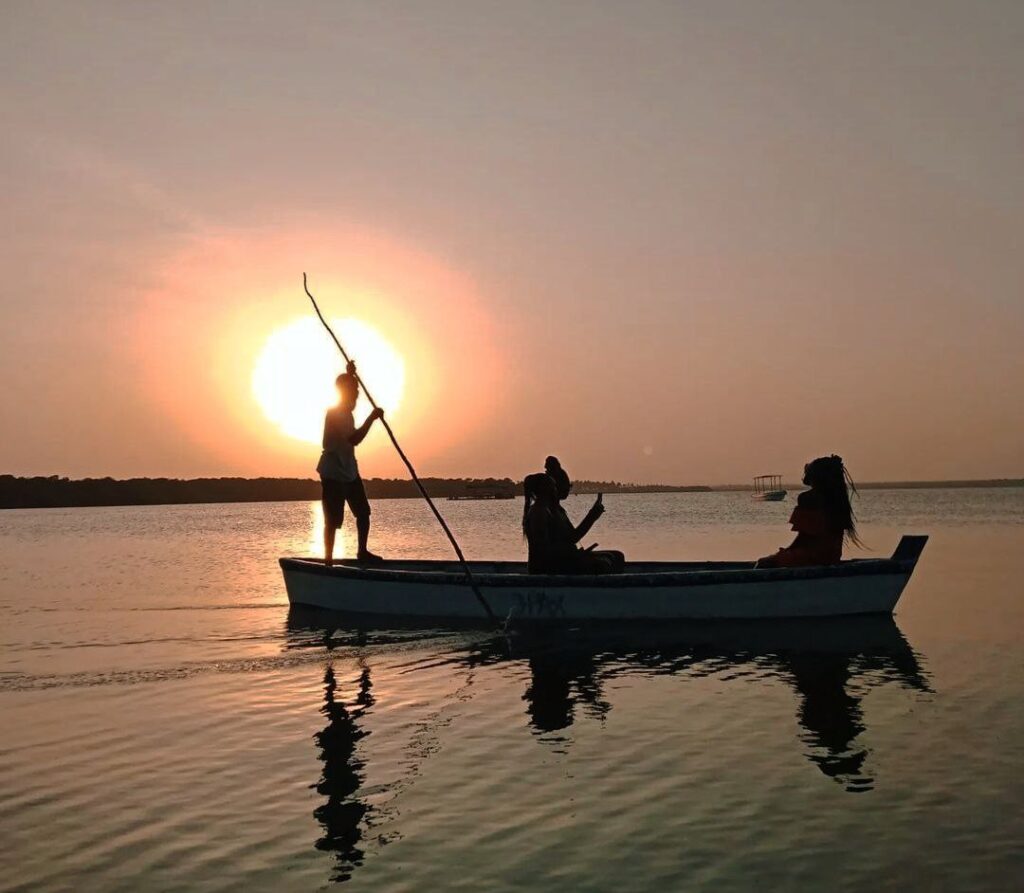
(768, 488)
(649, 590)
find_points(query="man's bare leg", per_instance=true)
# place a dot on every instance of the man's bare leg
(329, 535)
(363, 534)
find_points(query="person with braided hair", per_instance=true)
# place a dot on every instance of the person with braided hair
(823, 518)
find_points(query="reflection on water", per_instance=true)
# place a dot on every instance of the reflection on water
(345, 542)
(830, 713)
(342, 814)
(212, 748)
(558, 680)
(829, 665)
(831, 717)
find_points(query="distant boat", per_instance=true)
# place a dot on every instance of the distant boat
(768, 488)
(484, 490)
(649, 590)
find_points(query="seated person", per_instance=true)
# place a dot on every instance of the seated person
(550, 547)
(550, 537)
(822, 519)
(598, 561)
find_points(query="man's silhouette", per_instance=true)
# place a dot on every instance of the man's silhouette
(339, 472)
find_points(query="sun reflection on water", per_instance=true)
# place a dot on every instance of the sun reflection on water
(344, 545)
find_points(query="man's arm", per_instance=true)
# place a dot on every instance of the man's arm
(357, 436)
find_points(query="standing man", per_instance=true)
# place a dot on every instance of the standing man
(339, 473)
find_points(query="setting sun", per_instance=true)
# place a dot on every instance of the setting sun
(293, 380)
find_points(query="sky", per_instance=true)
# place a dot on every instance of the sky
(679, 242)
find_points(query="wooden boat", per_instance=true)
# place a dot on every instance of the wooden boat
(646, 591)
(768, 488)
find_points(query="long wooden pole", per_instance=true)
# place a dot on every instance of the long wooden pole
(412, 471)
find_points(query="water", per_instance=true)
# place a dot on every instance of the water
(168, 724)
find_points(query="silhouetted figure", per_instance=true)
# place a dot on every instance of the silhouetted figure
(830, 668)
(551, 549)
(339, 472)
(831, 716)
(558, 680)
(822, 519)
(342, 814)
(550, 536)
(599, 560)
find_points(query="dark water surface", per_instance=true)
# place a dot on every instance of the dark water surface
(169, 724)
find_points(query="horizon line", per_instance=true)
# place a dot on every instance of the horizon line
(582, 480)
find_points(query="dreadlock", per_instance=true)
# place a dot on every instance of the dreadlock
(830, 477)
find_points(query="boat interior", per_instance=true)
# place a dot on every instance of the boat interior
(505, 568)
(908, 549)
(519, 567)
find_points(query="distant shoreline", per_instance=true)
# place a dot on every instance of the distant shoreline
(58, 492)
(988, 483)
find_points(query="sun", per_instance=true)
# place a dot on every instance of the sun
(293, 380)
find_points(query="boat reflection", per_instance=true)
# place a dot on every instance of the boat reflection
(830, 665)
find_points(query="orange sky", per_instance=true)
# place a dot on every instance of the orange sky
(668, 243)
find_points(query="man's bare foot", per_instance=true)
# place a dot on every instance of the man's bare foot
(368, 557)
(328, 562)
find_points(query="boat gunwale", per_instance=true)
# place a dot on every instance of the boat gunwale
(855, 568)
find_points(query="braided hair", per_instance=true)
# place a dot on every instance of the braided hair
(535, 488)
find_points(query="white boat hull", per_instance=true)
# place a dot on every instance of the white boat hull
(648, 591)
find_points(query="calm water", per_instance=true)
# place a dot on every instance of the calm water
(169, 725)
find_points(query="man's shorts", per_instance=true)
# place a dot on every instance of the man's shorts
(336, 494)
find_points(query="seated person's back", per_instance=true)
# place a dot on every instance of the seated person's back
(549, 536)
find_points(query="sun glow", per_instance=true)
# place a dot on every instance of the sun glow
(293, 380)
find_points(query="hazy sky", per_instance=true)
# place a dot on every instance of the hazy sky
(678, 241)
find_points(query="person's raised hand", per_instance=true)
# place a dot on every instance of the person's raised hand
(377, 413)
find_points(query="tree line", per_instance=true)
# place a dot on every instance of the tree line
(62, 492)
